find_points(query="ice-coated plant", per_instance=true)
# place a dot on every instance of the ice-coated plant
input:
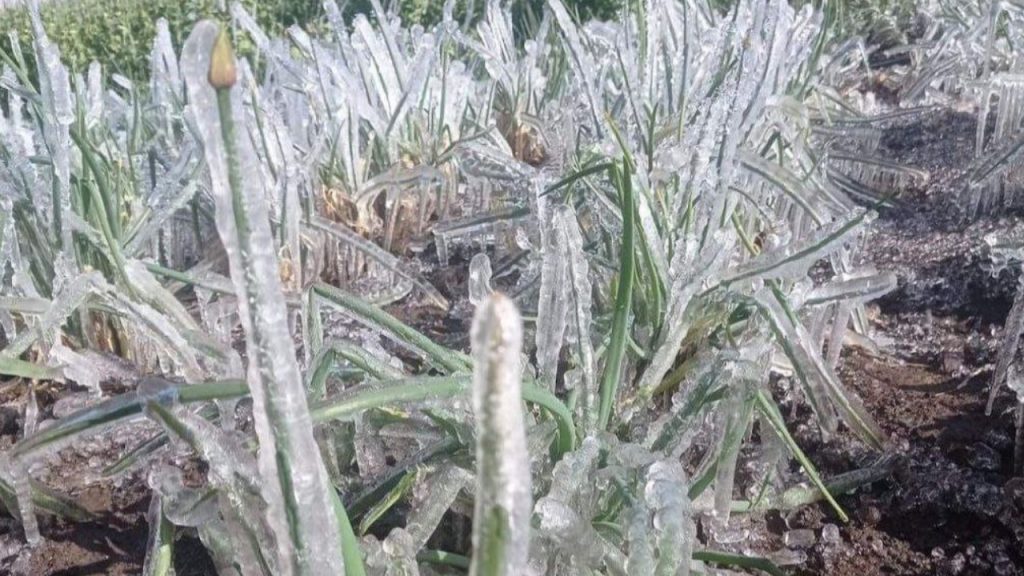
(651, 192)
(502, 511)
(294, 488)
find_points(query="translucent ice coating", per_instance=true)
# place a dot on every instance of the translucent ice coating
(501, 523)
(57, 115)
(479, 279)
(293, 481)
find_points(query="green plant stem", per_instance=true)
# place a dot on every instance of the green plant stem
(443, 558)
(102, 199)
(22, 369)
(738, 560)
(448, 359)
(121, 407)
(349, 542)
(422, 389)
(623, 301)
(188, 279)
(774, 418)
(161, 562)
(46, 500)
(409, 390)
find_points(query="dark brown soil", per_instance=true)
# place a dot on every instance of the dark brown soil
(952, 506)
(114, 542)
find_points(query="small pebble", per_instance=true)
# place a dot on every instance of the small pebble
(1004, 567)
(872, 515)
(877, 545)
(788, 557)
(956, 564)
(830, 534)
(1014, 491)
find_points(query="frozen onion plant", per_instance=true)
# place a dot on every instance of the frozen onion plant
(293, 481)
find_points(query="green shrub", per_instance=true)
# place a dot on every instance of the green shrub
(119, 33)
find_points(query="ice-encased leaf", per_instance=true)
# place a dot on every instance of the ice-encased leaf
(57, 115)
(294, 482)
(578, 291)
(792, 260)
(503, 494)
(160, 544)
(1012, 329)
(861, 288)
(691, 270)
(638, 532)
(69, 294)
(665, 493)
(232, 473)
(564, 513)
(432, 497)
(383, 257)
(15, 474)
(826, 392)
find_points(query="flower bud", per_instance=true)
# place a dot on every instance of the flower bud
(223, 72)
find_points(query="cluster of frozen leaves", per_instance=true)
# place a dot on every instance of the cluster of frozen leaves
(656, 189)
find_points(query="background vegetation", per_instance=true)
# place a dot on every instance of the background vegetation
(119, 33)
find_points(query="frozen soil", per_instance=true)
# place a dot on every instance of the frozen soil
(950, 507)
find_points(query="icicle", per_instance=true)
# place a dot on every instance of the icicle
(690, 271)
(552, 306)
(31, 414)
(15, 473)
(182, 505)
(835, 342)
(432, 497)
(160, 543)
(380, 255)
(792, 260)
(580, 60)
(859, 289)
(58, 114)
(734, 420)
(1008, 344)
(575, 536)
(248, 24)
(641, 552)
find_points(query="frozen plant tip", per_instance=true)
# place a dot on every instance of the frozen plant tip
(501, 517)
(223, 71)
